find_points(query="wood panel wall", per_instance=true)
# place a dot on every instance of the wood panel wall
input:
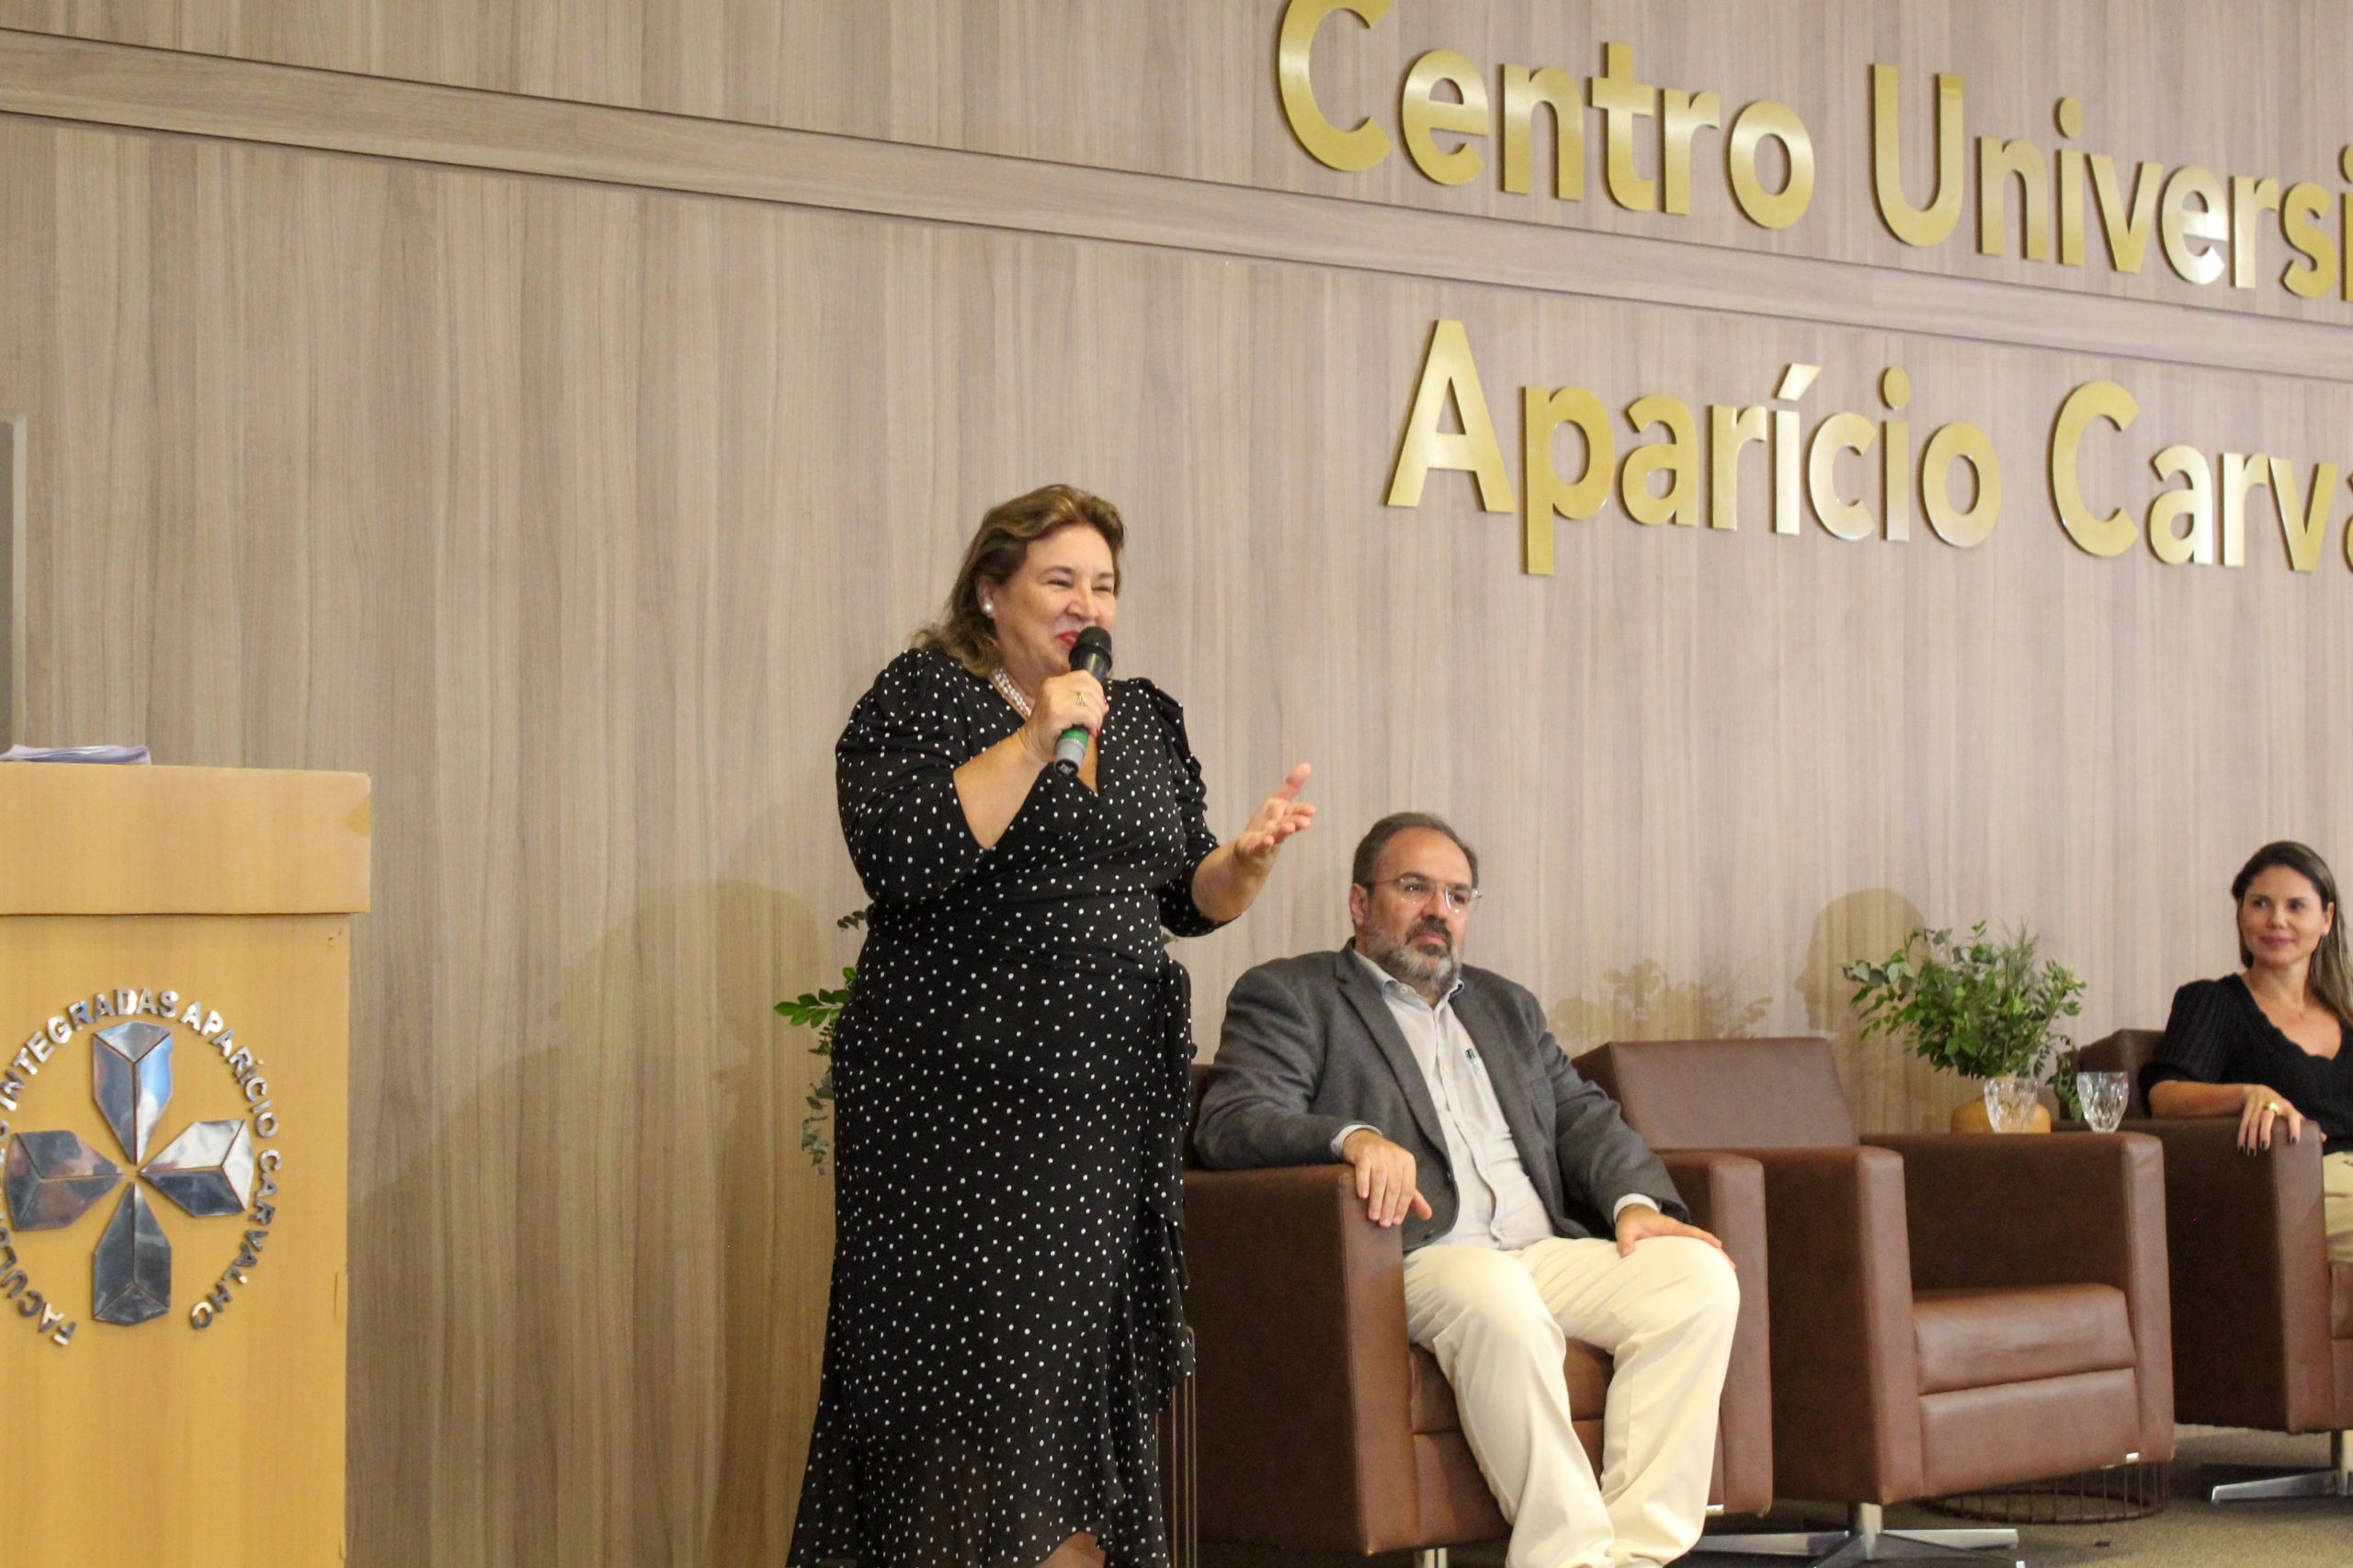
(12, 574)
(577, 510)
(1187, 90)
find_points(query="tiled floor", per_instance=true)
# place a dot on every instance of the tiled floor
(2191, 1533)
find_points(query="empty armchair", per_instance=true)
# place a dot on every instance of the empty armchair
(1323, 1428)
(1948, 1313)
(2266, 1318)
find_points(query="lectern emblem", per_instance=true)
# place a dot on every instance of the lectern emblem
(209, 1170)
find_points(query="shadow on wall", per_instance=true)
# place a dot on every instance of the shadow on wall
(778, 1237)
(1891, 1089)
(1642, 1002)
(625, 1345)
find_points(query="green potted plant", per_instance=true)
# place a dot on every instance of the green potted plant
(1981, 1008)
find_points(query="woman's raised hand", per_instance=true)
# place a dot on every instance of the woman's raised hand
(1278, 818)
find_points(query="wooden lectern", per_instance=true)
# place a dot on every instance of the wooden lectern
(175, 1000)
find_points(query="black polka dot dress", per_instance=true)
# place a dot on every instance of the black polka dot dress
(1009, 1082)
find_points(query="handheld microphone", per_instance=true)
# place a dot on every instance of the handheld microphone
(1091, 652)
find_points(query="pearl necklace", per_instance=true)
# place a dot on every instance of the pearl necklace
(1010, 692)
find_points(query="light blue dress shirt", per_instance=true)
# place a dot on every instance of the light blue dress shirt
(1501, 1208)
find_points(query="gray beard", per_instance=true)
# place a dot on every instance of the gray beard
(1418, 969)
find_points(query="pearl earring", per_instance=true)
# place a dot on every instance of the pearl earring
(987, 608)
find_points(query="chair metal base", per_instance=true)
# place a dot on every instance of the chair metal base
(1867, 1539)
(2337, 1481)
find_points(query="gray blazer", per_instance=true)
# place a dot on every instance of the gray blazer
(1309, 1047)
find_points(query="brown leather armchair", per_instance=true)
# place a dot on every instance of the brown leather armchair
(1950, 1312)
(2253, 1288)
(1321, 1427)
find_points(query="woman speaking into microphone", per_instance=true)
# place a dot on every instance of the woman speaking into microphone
(1010, 1075)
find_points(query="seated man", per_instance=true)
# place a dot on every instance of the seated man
(1467, 1125)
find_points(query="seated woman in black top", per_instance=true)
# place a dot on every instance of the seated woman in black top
(2270, 1045)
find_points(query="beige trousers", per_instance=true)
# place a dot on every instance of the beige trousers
(1499, 1323)
(2337, 1205)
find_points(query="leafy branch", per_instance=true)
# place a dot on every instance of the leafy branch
(820, 1011)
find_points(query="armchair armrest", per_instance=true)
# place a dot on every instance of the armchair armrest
(1726, 1196)
(2056, 1210)
(1845, 1363)
(2250, 1275)
(1298, 1308)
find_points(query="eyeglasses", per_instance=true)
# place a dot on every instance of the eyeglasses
(1458, 896)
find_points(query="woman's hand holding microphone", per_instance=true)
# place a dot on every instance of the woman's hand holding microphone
(1072, 700)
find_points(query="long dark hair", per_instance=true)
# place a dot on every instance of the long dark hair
(998, 546)
(2329, 978)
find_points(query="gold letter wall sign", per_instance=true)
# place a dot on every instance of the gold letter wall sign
(1348, 150)
(2302, 510)
(1858, 473)
(1660, 481)
(1820, 463)
(2208, 226)
(1447, 372)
